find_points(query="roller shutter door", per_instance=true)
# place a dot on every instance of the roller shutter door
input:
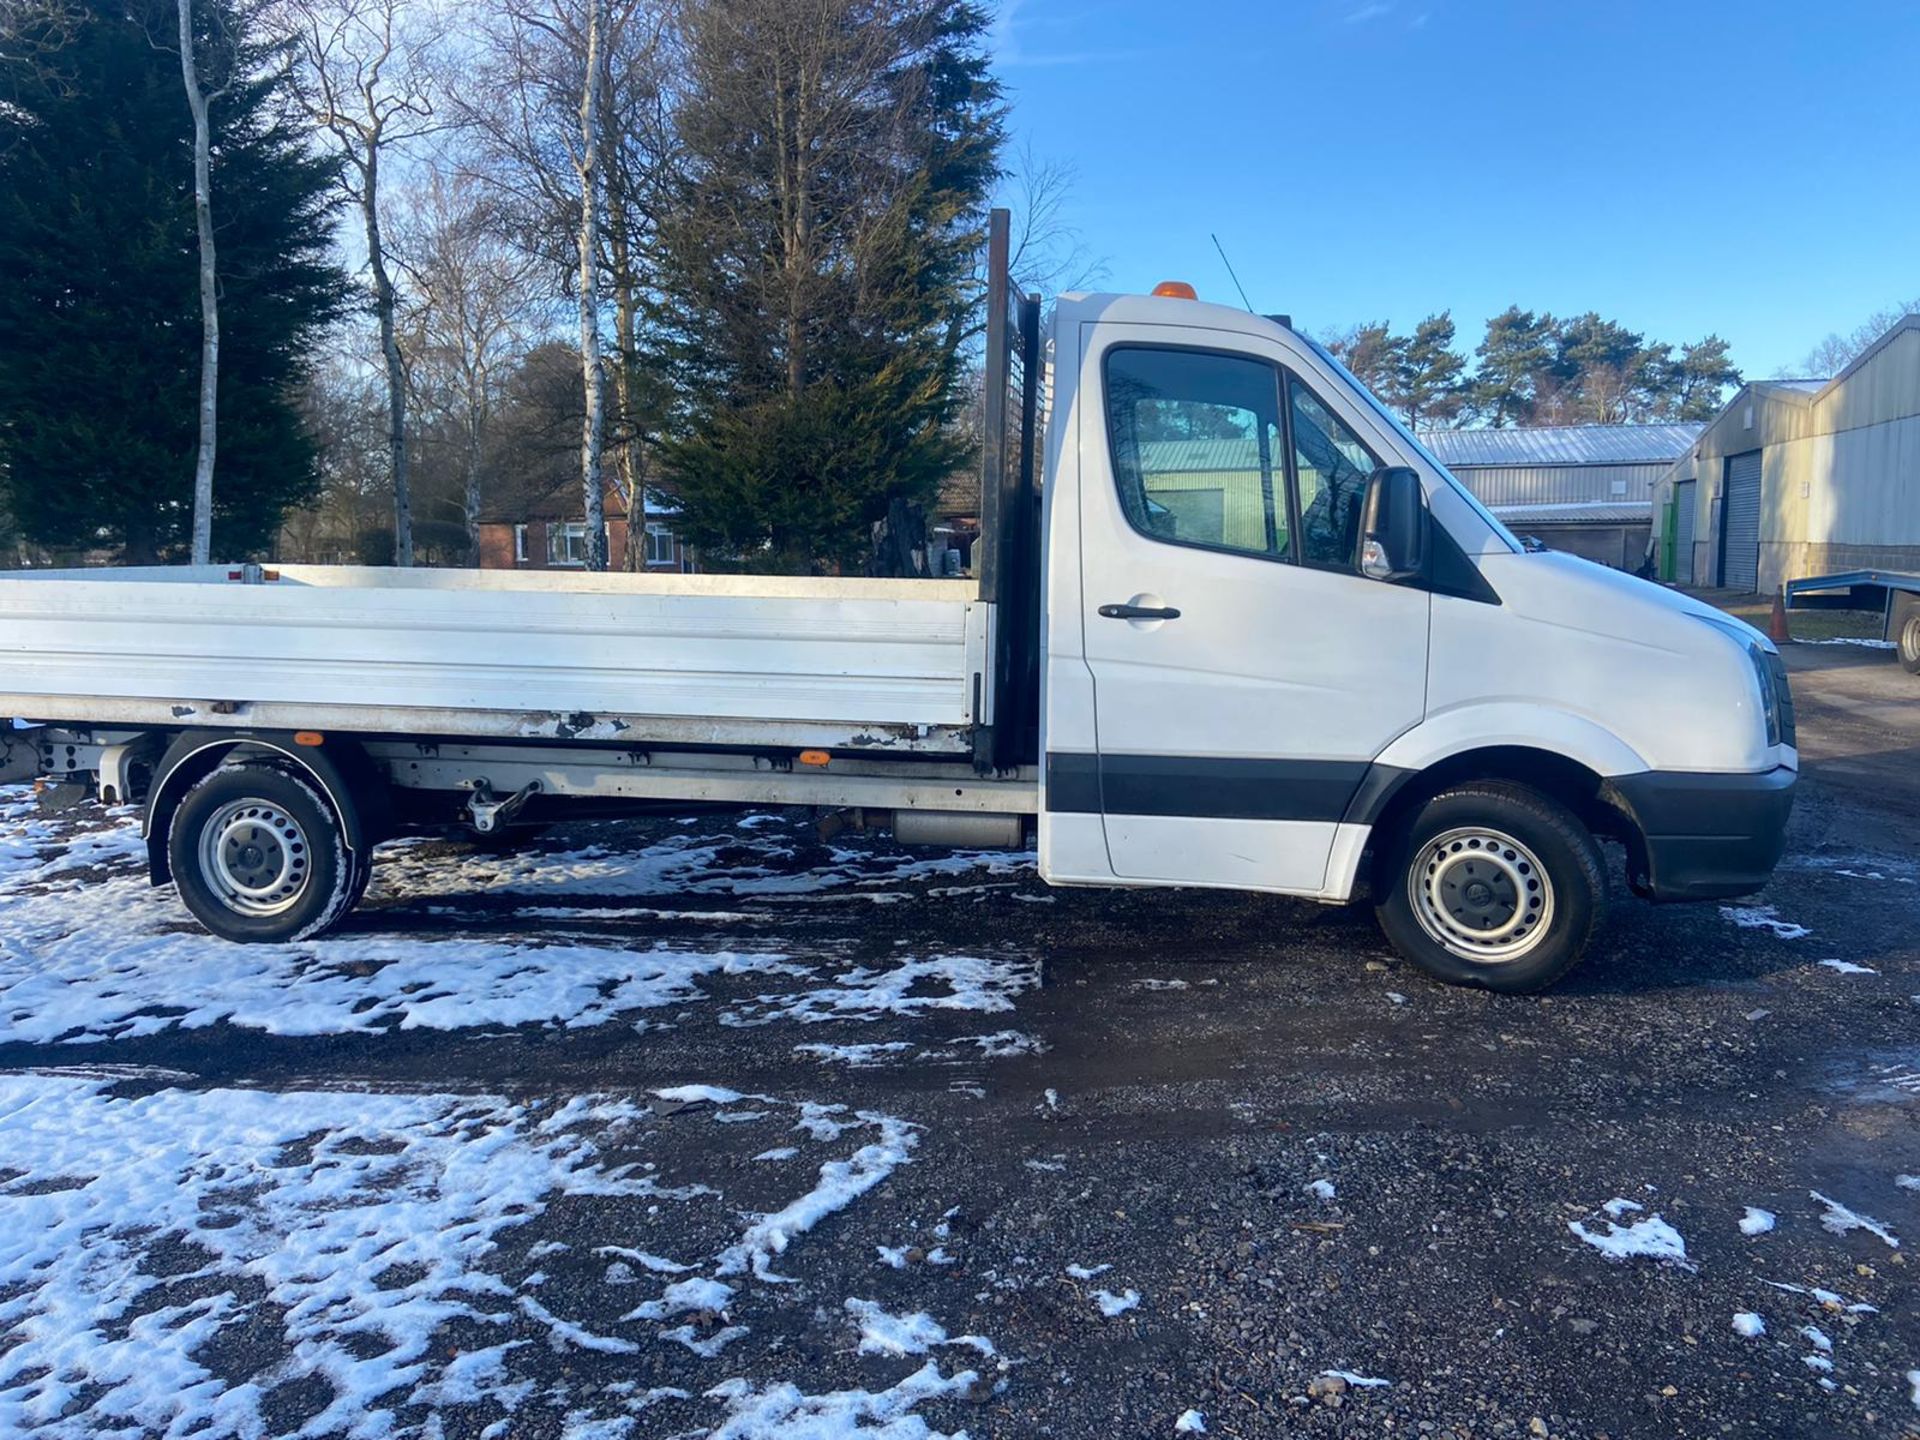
(1683, 502)
(1740, 532)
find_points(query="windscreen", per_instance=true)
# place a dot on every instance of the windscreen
(1413, 443)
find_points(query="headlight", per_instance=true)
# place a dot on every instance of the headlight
(1776, 698)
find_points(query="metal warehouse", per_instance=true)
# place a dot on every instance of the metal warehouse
(1803, 477)
(1585, 489)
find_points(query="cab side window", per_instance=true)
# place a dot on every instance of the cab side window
(1197, 449)
(1332, 467)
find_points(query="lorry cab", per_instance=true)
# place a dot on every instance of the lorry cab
(1285, 650)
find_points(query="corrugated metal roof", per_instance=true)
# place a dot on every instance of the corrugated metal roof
(1582, 513)
(1187, 457)
(1563, 444)
(1810, 386)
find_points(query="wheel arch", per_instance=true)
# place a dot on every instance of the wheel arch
(1390, 795)
(340, 769)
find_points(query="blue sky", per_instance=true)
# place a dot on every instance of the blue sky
(1680, 166)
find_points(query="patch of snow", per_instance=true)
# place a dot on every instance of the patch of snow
(1160, 984)
(1110, 1304)
(1617, 1207)
(1321, 1189)
(682, 1296)
(779, 1152)
(1396, 997)
(1749, 1325)
(1651, 1238)
(694, 1094)
(784, 1412)
(1764, 917)
(1756, 1221)
(564, 1333)
(1816, 1362)
(1087, 1272)
(1838, 1220)
(858, 1057)
(841, 1182)
(1817, 1338)
(1907, 1182)
(1913, 1381)
(1847, 967)
(1003, 1044)
(911, 987)
(711, 1346)
(894, 1257)
(655, 1263)
(1191, 1422)
(1362, 1382)
(883, 1333)
(1863, 642)
(297, 1206)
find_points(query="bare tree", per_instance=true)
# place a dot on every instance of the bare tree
(1837, 351)
(1048, 255)
(200, 101)
(467, 319)
(371, 85)
(533, 123)
(587, 165)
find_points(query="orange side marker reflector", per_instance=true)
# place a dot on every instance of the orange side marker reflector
(308, 737)
(815, 757)
(1175, 290)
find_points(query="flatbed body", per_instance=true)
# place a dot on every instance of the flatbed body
(758, 662)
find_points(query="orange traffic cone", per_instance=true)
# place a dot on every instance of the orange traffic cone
(1777, 627)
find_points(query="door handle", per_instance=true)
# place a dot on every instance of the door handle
(1139, 612)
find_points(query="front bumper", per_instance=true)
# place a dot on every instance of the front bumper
(1706, 836)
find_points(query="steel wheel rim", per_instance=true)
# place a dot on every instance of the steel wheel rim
(1480, 894)
(254, 858)
(1910, 638)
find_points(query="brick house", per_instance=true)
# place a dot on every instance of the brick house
(550, 536)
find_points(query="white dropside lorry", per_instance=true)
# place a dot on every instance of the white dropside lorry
(1241, 630)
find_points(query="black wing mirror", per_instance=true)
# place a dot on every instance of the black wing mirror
(1393, 525)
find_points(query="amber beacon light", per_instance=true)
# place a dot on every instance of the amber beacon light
(1175, 290)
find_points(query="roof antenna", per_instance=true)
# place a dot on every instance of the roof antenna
(1230, 275)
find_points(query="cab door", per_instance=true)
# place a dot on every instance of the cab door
(1244, 671)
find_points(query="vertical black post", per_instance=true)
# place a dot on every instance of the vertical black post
(993, 406)
(991, 565)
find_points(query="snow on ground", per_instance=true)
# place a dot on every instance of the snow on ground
(138, 966)
(1764, 917)
(1110, 1304)
(149, 1243)
(1191, 1422)
(1651, 1238)
(1749, 1325)
(1847, 967)
(134, 1232)
(758, 864)
(1838, 1220)
(1756, 1221)
(1359, 1382)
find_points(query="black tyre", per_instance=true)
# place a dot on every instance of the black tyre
(1906, 633)
(1493, 884)
(258, 856)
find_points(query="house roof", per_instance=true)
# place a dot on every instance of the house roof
(1562, 445)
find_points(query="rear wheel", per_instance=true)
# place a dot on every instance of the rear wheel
(1494, 884)
(1906, 634)
(259, 855)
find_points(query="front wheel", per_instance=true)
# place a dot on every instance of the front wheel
(1493, 884)
(258, 855)
(1907, 634)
